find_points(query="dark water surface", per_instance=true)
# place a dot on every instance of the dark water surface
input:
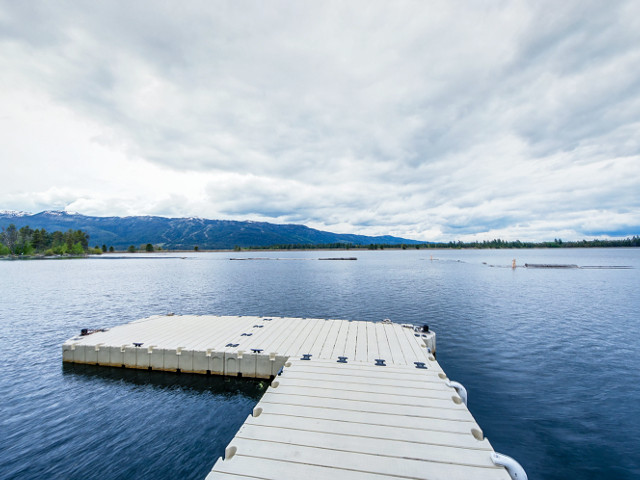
(550, 357)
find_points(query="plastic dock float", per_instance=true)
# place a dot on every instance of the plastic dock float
(356, 420)
(348, 400)
(245, 346)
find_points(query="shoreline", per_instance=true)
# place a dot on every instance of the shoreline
(142, 254)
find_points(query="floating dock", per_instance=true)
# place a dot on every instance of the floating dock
(550, 265)
(246, 346)
(348, 400)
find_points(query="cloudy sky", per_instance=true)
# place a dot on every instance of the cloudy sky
(433, 120)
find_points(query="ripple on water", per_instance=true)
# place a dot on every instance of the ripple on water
(549, 356)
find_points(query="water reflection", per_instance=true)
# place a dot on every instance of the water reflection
(185, 382)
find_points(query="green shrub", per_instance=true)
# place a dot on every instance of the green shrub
(4, 250)
(77, 249)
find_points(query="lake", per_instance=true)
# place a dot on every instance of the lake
(550, 357)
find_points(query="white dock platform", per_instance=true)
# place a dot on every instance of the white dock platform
(245, 346)
(324, 419)
(349, 399)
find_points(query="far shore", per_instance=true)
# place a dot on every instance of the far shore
(365, 248)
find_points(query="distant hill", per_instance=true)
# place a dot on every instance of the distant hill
(186, 233)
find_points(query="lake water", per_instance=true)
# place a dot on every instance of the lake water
(550, 357)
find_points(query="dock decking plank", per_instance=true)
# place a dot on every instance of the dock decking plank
(374, 432)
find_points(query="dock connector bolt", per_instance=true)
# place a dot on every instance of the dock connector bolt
(306, 356)
(380, 362)
(342, 359)
(459, 388)
(514, 469)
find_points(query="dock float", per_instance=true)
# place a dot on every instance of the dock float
(347, 400)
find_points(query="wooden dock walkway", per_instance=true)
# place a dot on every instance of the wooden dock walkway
(348, 400)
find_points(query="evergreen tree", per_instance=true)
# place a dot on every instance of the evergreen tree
(38, 239)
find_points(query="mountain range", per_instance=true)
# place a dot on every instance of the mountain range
(186, 233)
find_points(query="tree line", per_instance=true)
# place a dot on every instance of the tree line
(489, 244)
(556, 243)
(27, 241)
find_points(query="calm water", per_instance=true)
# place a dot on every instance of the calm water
(550, 357)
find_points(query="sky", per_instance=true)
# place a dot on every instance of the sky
(431, 120)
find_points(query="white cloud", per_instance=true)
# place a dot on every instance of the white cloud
(439, 120)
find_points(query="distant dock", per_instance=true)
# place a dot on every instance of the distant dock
(563, 265)
(348, 399)
(550, 265)
(289, 258)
